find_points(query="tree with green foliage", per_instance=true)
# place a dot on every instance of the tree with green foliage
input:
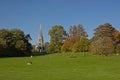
(81, 46)
(57, 36)
(21, 41)
(5, 37)
(5, 41)
(14, 43)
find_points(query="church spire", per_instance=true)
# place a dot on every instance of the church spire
(41, 30)
(40, 37)
(40, 43)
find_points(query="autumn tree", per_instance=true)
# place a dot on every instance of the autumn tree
(68, 44)
(116, 35)
(74, 35)
(81, 46)
(102, 46)
(77, 31)
(57, 35)
(103, 40)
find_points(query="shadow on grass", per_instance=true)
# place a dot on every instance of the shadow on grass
(31, 55)
(42, 54)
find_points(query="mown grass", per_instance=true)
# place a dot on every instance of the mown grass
(63, 66)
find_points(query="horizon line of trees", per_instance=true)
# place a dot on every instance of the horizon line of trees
(106, 40)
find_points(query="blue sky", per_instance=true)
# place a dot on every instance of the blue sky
(27, 15)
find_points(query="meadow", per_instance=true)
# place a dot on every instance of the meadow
(59, 66)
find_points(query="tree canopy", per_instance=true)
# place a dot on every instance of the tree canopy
(105, 40)
(14, 43)
(75, 38)
(57, 36)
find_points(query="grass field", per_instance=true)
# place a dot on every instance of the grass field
(61, 67)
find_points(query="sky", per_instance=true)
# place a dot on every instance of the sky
(27, 15)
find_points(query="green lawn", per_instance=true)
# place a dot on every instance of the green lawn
(61, 67)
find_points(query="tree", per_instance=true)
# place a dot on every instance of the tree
(81, 46)
(68, 44)
(5, 41)
(57, 35)
(21, 41)
(102, 46)
(77, 31)
(27, 38)
(74, 35)
(118, 48)
(103, 40)
(5, 38)
(116, 35)
(14, 43)
(17, 34)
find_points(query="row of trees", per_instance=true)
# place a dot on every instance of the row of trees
(14, 43)
(106, 40)
(74, 40)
